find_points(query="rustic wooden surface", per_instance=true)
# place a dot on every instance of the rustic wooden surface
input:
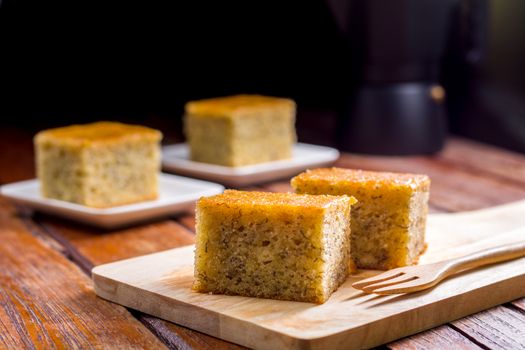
(47, 301)
(39, 252)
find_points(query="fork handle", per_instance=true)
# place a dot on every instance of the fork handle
(485, 257)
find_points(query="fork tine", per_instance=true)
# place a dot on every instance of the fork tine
(407, 287)
(371, 288)
(377, 278)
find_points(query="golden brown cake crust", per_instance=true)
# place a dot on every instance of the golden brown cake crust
(98, 133)
(237, 105)
(340, 175)
(255, 198)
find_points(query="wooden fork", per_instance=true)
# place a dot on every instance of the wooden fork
(415, 278)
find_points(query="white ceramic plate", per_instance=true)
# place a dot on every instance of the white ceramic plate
(176, 158)
(175, 194)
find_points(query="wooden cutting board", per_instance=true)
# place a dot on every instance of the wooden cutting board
(159, 284)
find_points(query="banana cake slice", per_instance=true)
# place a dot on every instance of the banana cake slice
(101, 164)
(240, 130)
(388, 221)
(272, 245)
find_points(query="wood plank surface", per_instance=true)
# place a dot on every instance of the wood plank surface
(498, 328)
(160, 284)
(47, 302)
(466, 157)
(89, 247)
(182, 338)
(443, 337)
(99, 247)
(502, 164)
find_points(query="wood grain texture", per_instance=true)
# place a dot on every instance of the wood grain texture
(443, 337)
(160, 284)
(182, 338)
(488, 160)
(47, 302)
(188, 221)
(498, 328)
(99, 247)
(89, 247)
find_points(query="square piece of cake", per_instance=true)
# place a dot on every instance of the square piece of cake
(99, 165)
(240, 130)
(272, 245)
(388, 221)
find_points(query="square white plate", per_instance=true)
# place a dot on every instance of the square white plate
(175, 193)
(176, 158)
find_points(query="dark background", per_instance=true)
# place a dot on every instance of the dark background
(79, 61)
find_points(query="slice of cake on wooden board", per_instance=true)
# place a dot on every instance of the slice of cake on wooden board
(240, 130)
(272, 245)
(388, 221)
(99, 165)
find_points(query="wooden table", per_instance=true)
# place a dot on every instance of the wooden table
(47, 300)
